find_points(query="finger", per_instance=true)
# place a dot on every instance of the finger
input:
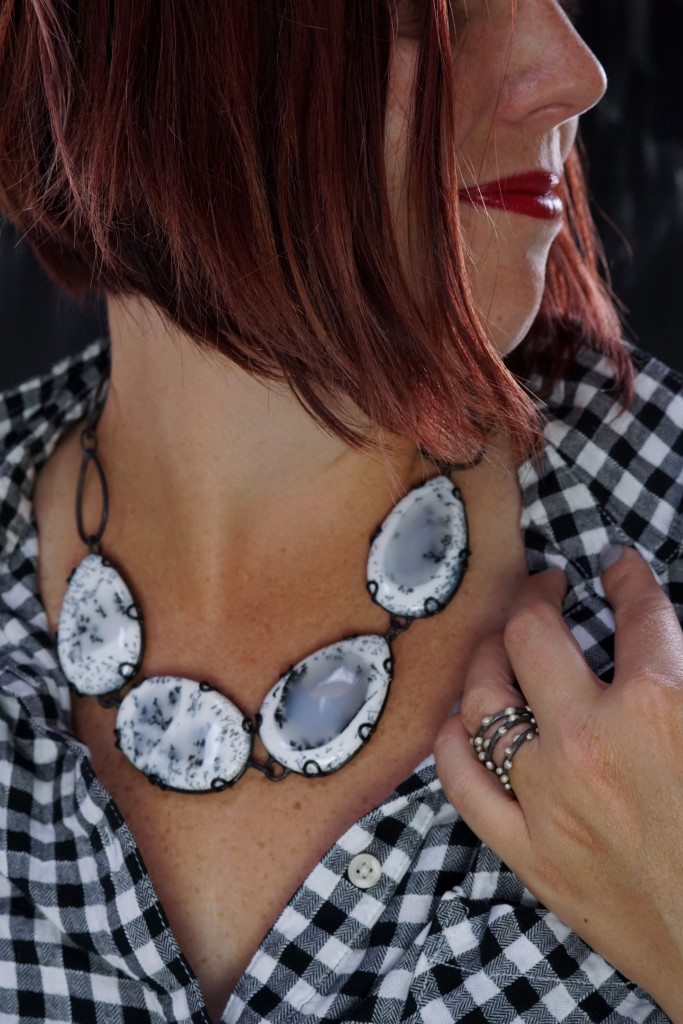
(648, 638)
(489, 683)
(479, 797)
(492, 709)
(546, 659)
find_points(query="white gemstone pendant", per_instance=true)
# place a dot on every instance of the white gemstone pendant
(321, 712)
(184, 735)
(419, 555)
(100, 638)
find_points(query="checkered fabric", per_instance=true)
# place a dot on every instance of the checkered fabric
(447, 932)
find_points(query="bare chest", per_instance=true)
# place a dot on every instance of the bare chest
(225, 865)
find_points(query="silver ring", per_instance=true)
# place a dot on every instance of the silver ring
(484, 745)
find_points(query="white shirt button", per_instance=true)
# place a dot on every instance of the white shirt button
(365, 870)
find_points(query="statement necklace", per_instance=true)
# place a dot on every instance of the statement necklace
(186, 735)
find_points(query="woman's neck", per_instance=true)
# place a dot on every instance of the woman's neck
(216, 458)
(242, 528)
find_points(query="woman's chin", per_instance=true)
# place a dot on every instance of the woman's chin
(506, 332)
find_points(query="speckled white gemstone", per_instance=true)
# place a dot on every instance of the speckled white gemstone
(99, 638)
(183, 735)
(419, 556)
(321, 712)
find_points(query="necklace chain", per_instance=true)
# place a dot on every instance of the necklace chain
(318, 716)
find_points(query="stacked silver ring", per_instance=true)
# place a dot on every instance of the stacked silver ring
(503, 721)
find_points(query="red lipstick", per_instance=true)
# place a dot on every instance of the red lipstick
(532, 194)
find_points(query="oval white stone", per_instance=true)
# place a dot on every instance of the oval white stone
(321, 712)
(183, 735)
(419, 555)
(99, 641)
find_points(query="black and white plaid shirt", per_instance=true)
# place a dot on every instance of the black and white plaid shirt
(446, 932)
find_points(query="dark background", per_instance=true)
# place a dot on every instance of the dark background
(634, 139)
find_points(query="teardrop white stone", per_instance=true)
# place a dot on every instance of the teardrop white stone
(419, 556)
(183, 735)
(321, 712)
(99, 638)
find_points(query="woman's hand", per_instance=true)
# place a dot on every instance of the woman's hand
(596, 832)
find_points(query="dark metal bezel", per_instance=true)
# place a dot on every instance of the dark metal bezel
(217, 785)
(372, 586)
(388, 664)
(109, 695)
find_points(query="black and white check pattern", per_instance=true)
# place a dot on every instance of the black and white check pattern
(447, 933)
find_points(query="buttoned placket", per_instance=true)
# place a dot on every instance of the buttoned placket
(358, 878)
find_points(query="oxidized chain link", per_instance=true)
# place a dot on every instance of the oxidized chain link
(446, 468)
(397, 624)
(89, 449)
(373, 655)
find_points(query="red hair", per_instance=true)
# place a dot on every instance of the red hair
(226, 161)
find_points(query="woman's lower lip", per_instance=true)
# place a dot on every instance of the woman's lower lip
(543, 205)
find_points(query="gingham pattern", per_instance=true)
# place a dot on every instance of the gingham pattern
(447, 933)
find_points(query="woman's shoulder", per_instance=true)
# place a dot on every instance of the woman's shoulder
(610, 473)
(628, 456)
(33, 417)
(584, 405)
(49, 397)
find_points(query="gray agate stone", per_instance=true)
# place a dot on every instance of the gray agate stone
(419, 556)
(99, 638)
(183, 735)
(321, 712)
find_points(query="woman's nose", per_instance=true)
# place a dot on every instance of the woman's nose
(551, 75)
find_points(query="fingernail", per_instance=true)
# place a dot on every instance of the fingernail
(455, 710)
(609, 555)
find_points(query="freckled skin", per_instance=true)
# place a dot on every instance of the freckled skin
(240, 509)
(225, 864)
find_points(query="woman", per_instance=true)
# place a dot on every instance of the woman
(315, 256)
